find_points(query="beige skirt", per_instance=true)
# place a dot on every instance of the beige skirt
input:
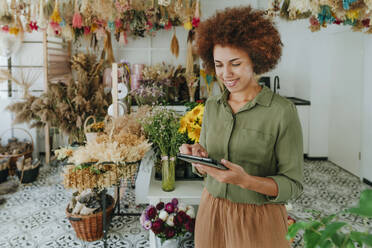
(221, 223)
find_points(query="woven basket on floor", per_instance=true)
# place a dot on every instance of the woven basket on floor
(90, 227)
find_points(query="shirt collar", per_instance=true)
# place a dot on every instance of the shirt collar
(263, 98)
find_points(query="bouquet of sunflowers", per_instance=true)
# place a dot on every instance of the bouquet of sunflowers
(191, 123)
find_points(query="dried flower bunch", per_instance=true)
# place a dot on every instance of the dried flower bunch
(170, 220)
(67, 105)
(15, 147)
(63, 153)
(87, 202)
(164, 84)
(113, 155)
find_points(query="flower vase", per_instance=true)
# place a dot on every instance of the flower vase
(169, 243)
(168, 173)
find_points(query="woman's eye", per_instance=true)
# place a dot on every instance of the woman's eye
(235, 64)
(218, 65)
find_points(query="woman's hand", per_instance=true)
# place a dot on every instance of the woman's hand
(234, 175)
(195, 150)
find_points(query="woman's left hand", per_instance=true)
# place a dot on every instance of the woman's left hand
(234, 175)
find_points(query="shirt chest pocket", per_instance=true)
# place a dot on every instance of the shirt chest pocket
(252, 146)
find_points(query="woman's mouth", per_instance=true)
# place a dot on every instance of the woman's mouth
(231, 83)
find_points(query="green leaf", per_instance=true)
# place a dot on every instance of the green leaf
(365, 204)
(327, 219)
(294, 228)
(326, 244)
(361, 238)
(350, 244)
(338, 238)
(330, 230)
(311, 238)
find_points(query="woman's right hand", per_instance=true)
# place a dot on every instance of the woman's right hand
(195, 150)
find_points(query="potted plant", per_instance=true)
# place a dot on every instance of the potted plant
(169, 222)
(161, 127)
(329, 231)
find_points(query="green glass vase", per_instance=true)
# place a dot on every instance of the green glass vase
(168, 173)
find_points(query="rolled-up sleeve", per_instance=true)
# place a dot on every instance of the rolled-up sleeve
(289, 156)
(202, 139)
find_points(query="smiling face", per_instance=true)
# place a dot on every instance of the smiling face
(234, 68)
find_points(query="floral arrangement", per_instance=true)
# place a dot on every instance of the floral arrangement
(191, 123)
(356, 13)
(103, 161)
(170, 220)
(67, 105)
(161, 127)
(93, 18)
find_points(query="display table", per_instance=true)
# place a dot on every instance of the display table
(188, 192)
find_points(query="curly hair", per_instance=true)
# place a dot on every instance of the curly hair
(243, 28)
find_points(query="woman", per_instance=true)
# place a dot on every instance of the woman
(255, 133)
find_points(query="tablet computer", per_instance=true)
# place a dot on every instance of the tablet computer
(201, 160)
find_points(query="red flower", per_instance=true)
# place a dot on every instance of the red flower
(169, 208)
(337, 21)
(86, 30)
(314, 21)
(174, 202)
(195, 22)
(5, 28)
(200, 101)
(365, 22)
(151, 213)
(160, 206)
(33, 26)
(168, 26)
(169, 232)
(157, 226)
(149, 25)
(190, 225)
(180, 218)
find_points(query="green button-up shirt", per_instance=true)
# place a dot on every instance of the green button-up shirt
(264, 137)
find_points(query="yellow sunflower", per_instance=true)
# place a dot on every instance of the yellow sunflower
(183, 125)
(194, 135)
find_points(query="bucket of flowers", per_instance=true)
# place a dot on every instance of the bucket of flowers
(169, 222)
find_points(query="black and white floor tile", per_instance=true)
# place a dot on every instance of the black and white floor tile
(34, 216)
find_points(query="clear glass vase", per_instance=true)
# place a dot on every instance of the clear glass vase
(168, 167)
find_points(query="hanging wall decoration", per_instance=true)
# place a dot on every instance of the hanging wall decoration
(92, 18)
(354, 13)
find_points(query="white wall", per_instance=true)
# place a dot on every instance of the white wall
(367, 112)
(345, 107)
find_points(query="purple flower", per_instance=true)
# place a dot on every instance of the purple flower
(169, 208)
(151, 213)
(169, 232)
(174, 202)
(160, 206)
(147, 224)
(157, 226)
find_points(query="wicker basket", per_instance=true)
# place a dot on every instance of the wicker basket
(13, 157)
(28, 176)
(90, 227)
(82, 179)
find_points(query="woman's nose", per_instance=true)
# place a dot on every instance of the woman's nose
(227, 72)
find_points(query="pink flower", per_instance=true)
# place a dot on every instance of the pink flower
(160, 206)
(147, 224)
(157, 226)
(118, 23)
(169, 208)
(151, 213)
